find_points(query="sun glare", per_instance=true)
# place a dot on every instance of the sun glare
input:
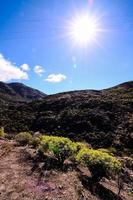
(84, 29)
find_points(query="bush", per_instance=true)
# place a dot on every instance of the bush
(61, 147)
(76, 147)
(2, 133)
(99, 163)
(23, 138)
(106, 151)
(35, 142)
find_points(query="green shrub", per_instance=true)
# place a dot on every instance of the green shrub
(110, 150)
(61, 147)
(2, 133)
(35, 142)
(99, 163)
(106, 151)
(76, 147)
(23, 138)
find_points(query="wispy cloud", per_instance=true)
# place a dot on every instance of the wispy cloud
(39, 70)
(25, 67)
(55, 78)
(9, 71)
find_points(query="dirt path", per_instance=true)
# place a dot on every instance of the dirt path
(13, 175)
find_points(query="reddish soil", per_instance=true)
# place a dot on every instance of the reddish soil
(17, 183)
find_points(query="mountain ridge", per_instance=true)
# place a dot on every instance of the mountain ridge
(19, 92)
(14, 87)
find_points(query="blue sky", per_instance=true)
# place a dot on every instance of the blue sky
(35, 48)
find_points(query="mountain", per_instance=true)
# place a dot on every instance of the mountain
(102, 118)
(125, 85)
(19, 92)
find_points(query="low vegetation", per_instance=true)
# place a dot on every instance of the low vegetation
(35, 142)
(63, 155)
(23, 138)
(2, 132)
(61, 147)
(101, 164)
(101, 118)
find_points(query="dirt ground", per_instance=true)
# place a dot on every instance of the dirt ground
(17, 182)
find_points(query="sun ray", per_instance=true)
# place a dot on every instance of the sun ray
(84, 29)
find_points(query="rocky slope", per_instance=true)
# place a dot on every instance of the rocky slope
(102, 118)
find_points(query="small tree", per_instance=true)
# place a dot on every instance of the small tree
(100, 164)
(23, 138)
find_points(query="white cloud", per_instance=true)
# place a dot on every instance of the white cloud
(9, 71)
(39, 70)
(25, 67)
(55, 78)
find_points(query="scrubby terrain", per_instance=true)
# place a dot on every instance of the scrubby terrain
(70, 146)
(17, 181)
(102, 118)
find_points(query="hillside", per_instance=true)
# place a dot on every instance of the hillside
(102, 118)
(18, 92)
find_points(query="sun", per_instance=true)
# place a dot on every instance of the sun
(84, 29)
